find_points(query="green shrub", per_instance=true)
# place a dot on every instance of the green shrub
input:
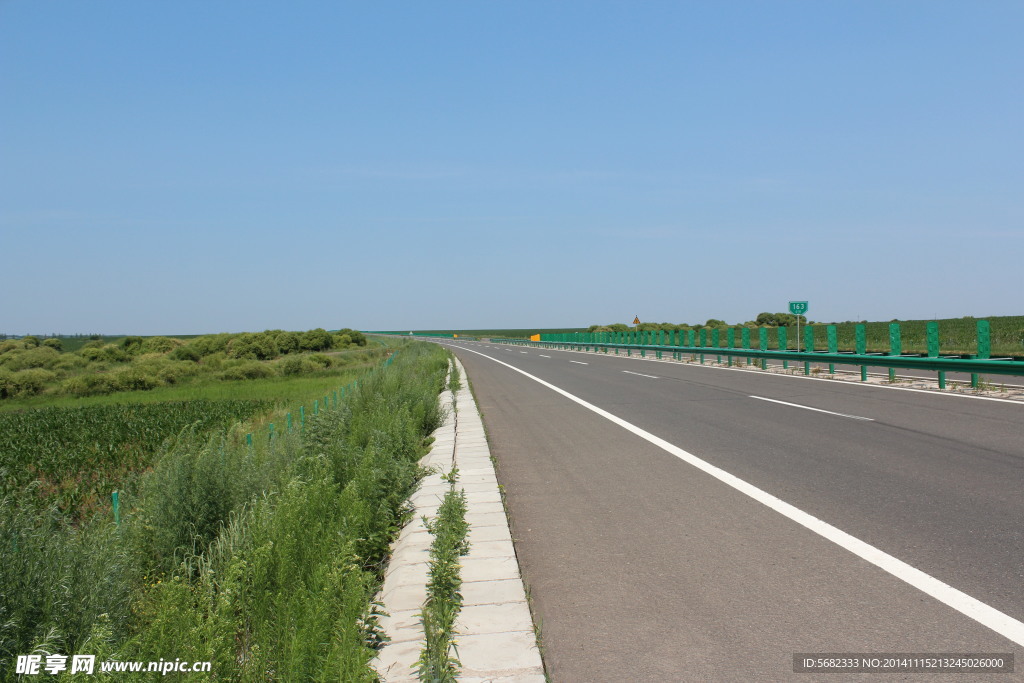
(292, 365)
(30, 342)
(258, 346)
(25, 383)
(108, 353)
(160, 344)
(35, 357)
(132, 345)
(247, 370)
(54, 343)
(186, 352)
(316, 340)
(288, 342)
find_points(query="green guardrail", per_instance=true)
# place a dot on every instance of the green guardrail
(699, 344)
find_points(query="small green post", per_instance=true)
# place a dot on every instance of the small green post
(270, 436)
(117, 508)
(289, 422)
(316, 406)
(302, 417)
(861, 347)
(248, 439)
(730, 335)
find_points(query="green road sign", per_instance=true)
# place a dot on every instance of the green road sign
(797, 307)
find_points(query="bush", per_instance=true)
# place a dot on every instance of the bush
(160, 344)
(289, 342)
(259, 346)
(89, 385)
(187, 352)
(132, 345)
(356, 337)
(316, 340)
(30, 342)
(292, 365)
(133, 379)
(25, 382)
(54, 343)
(107, 353)
(35, 357)
(248, 370)
(210, 344)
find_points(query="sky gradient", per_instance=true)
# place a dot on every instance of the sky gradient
(190, 167)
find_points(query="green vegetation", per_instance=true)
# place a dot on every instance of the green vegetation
(74, 457)
(29, 367)
(509, 334)
(262, 558)
(439, 660)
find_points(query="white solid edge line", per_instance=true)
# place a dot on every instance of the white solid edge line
(817, 410)
(628, 372)
(579, 362)
(988, 616)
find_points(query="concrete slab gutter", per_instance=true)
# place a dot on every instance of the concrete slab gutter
(496, 640)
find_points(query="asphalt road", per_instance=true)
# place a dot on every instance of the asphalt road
(643, 567)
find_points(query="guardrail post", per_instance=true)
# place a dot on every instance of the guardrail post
(808, 346)
(895, 346)
(984, 347)
(762, 343)
(730, 343)
(861, 343)
(689, 337)
(715, 334)
(833, 346)
(783, 345)
(932, 335)
(745, 340)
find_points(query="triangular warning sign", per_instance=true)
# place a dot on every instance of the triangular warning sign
(636, 320)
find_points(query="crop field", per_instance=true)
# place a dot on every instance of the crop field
(75, 457)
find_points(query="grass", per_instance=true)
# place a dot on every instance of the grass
(285, 390)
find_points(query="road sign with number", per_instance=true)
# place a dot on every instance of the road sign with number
(797, 307)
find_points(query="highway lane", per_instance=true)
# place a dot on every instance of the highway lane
(932, 480)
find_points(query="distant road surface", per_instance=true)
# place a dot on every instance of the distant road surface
(662, 539)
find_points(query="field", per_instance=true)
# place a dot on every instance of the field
(511, 333)
(258, 550)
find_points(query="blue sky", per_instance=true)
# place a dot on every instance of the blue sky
(189, 167)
